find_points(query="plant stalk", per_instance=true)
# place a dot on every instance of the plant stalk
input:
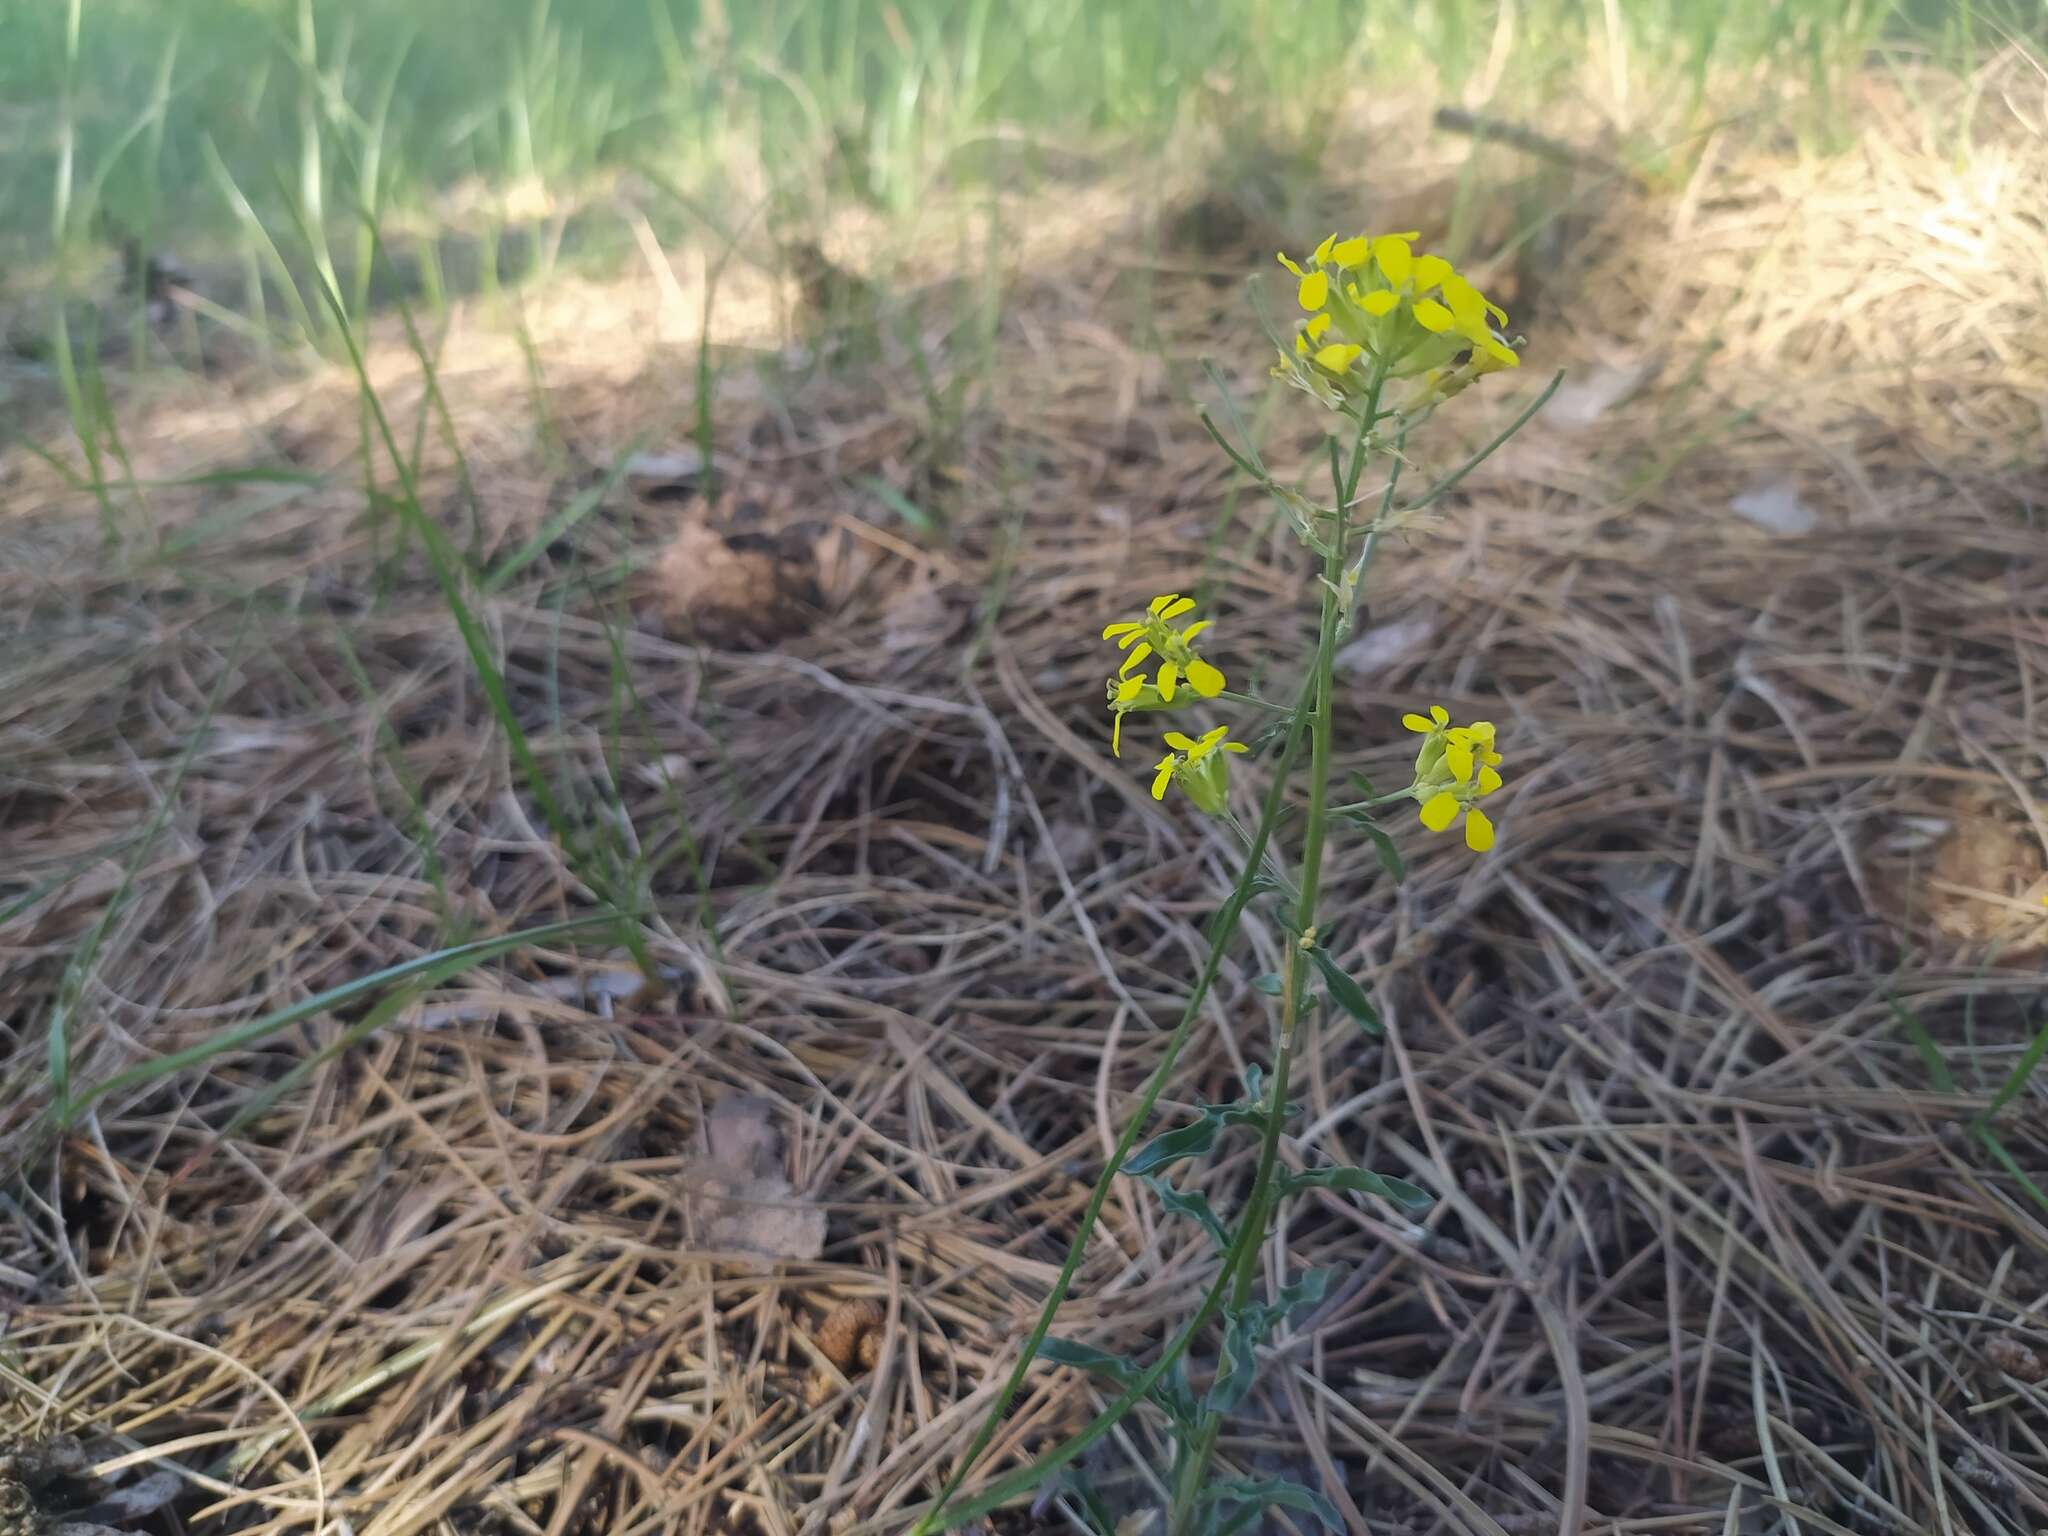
(1258, 1208)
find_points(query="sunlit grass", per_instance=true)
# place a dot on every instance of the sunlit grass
(387, 107)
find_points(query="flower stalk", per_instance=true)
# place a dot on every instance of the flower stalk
(1379, 315)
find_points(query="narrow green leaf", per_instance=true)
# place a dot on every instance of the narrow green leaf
(1349, 994)
(1313, 1285)
(1930, 1053)
(1264, 1492)
(1997, 1148)
(1360, 1181)
(1239, 1364)
(1088, 1358)
(1170, 1147)
(1383, 845)
(579, 507)
(425, 969)
(898, 503)
(1192, 1204)
(2016, 1080)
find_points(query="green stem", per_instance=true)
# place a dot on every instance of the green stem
(941, 1517)
(1374, 803)
(1233, 697)
(1250, 1236)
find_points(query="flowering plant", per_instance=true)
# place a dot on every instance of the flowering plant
(1388, 336)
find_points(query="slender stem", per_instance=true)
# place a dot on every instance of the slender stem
(1373, 803)
(940, 1516)
(1250, 1236)
(1234, 697)
(1488, 451)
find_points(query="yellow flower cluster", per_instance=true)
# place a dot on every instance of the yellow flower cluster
(1154, 636)
(1455, 769)
(1197, 768)
(1183, 676)
(1374, 306)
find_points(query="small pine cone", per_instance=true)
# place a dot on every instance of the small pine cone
(2009, 1355)
(851, 1334)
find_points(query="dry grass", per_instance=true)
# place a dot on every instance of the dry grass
(1716, 1249)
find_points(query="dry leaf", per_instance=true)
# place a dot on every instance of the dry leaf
(736, 1195)
(721, 582)
(2009, 1355)
(1590, 393)
(1776, 508)
(1985, 882)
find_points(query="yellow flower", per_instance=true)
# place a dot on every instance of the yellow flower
(1443, 808)
(1199, 767)
(1432, 729)
(1181, 669)
(1456, 768)
(1406, 315)
(1466, 745)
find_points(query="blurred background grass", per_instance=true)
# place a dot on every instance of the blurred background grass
(172, 123)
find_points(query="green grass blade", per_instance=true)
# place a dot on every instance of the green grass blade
(562, 523)
(2016, 1080)
(422, 971)
(78, 971)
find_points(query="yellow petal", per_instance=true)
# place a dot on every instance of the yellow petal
(1351, 253)
(1478, 831)
(1161, 777)
(1432, 316)
(1116, 736)
(1130, 637)
(1459, 757)
(1136, 658)
(1499, 351)
(1314, 290)
(1159, 603)
(1180, 742)
(1440, 811)
(1417, 723)
(1439, 714)
(1316, 326)
(1394, 257)
(1235, 746)
(1300, 347)
(1187, 635)
(1203, 678)
(1489, 780)
(1210, 738)
(1281, 257)
(1111, 631)
(1429, 271)
(1169, 676)
(1323, 250)
(1379, 303)
(1467, 307)
(1338, 356)
(1175, 609)
(1129, 689)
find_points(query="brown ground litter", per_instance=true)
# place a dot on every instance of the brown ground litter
(1716, 1247)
